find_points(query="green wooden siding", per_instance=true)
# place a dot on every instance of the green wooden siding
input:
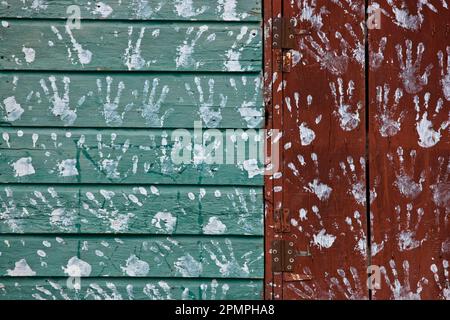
(89, 186)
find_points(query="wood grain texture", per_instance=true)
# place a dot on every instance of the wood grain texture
(131, 100)
(123, 156)
(89, 182)
(217, 10)
(130, 289)
(148, 46)
(321, 193)
(134, 209)
(132, 256)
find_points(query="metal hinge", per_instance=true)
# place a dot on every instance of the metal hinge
(283, 34)
(284, 255)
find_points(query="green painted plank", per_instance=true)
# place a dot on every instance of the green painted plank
(221, 10)
(43, 45)
(128, 156)
(131, 209)
(124, 289)
(131, 100)
(143, 256)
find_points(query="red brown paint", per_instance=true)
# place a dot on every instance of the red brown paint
(318, 98)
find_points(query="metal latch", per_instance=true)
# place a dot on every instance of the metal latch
(283, 256)
(282, 220)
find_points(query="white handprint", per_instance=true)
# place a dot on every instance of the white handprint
(132, 57)
(209, 112)
(408, 224)
(84, 55)
(445, 73)
(445, 286)
(113, 116)
(353, 290)
(150, 107)
(185, 51)
(410, 75)
(389, 119)
(61, 103)
(333, 60)
(347, 109)
(311, 13)
(428, 135)
(399, 290)
(376, 57)
(405, 178)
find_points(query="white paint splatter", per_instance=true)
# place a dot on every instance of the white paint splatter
(13, 109)
(186, 50)
(321, 190)
(185, 8)
(102, 9)
(21, 269)
(187, 266)
(77, 268)
(132, 57)
(214, 226)
(323, 240)
(67, 168)
(307, 135)
(29, 53)
(164, 221)
(252, 168)
(135, 267)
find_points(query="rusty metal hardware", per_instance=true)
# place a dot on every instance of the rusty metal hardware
(283, 257)
(282, 220)
(287, 61)
(284, 32)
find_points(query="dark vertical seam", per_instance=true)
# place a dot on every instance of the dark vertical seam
(367, 131)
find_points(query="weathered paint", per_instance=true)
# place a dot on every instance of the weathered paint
(154, 209)
(132, 46)
(89, 187)
(131, 100)
(409, 149)
(322, 179)
(111, 156)
(131, 256)
(188, 10)
(130, 289)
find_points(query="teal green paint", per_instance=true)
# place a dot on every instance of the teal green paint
(149, 46)
(131, 209)
(113, 156)
(147, 101)
(104, 199)
(128, 256)
(130, 289)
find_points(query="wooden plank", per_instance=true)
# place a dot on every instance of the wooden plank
(132, 256)
(128, 156)
(125, 289)
(131, 209)
(43, 45)
(410, 150)
(220, 10)
(131, 100)
(323, 180)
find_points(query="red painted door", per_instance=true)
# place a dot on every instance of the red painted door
(409, 89)
(364, 117)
